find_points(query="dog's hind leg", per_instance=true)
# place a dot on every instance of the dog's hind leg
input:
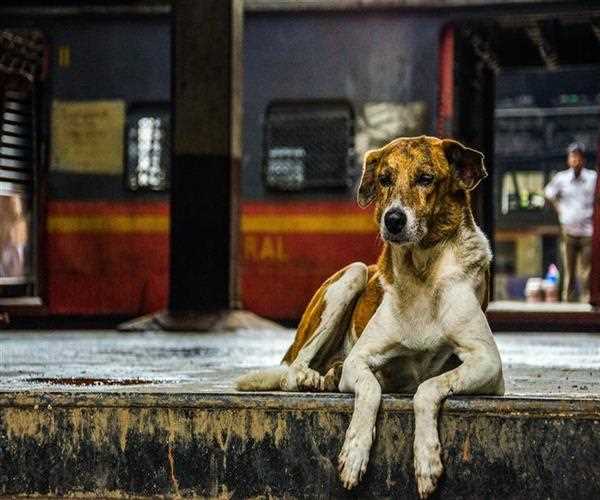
(325, 324)
(321, 331)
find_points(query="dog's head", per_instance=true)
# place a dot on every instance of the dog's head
(420, 187)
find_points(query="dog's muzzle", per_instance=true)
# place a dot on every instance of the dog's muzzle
(394, 221)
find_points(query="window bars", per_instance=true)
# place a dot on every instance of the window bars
(308, 145)
(148, 129)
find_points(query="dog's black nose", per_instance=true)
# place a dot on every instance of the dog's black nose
(395, 220)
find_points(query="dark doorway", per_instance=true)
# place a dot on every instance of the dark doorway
(524, 89)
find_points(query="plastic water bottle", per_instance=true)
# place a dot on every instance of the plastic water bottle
(550, 284)
(552, 274)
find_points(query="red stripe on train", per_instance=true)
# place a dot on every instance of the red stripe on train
(127, 273)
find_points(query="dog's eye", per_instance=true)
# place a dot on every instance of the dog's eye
(385, 179)
(425, 180)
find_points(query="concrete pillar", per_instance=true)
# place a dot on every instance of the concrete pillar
(206, 104)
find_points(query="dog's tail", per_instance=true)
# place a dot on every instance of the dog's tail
(262, 380)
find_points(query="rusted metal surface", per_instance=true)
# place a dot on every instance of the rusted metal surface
(184, 431)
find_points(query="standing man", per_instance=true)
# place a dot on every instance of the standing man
(571, 193)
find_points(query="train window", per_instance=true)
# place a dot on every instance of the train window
(308, 145)
(21, 56)
(147, 163)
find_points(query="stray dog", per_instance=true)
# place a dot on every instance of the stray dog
(415, 321)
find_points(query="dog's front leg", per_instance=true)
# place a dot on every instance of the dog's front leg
(374, 348)
(358, 378)
(472, 377)
(479, 373)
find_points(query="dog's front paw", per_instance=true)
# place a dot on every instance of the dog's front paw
(428, 467)
(353, 460)
(300, 378)
(331, 380)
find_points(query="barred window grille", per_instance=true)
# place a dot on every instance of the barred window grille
(308, 145)
(16, 139)
(148, 149)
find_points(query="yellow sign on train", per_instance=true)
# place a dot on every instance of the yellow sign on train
(87, 136)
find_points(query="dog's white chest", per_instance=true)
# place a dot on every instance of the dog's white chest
(414, 319)
(402, 329)
(411, 347)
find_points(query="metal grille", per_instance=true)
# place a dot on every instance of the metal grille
(21, 53)
(16, 140)
(308, 145)
(148, 130)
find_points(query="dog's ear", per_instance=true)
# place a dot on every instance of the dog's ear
(366, 188)
(466, 163)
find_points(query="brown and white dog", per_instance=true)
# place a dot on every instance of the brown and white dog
(415, 321)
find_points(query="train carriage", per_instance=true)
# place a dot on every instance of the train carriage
(322, 84)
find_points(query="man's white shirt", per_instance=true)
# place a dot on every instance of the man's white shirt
(574, 199)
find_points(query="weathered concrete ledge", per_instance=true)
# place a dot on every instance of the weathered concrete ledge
(285, 445)
(151, 414)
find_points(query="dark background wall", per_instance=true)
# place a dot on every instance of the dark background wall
(376, 56)
(107, 248)
(523, 87)
(128, 60)
(116, 59)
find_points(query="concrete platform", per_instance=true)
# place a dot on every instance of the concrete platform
(535, 307)
(113, 414)
(504, 315)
